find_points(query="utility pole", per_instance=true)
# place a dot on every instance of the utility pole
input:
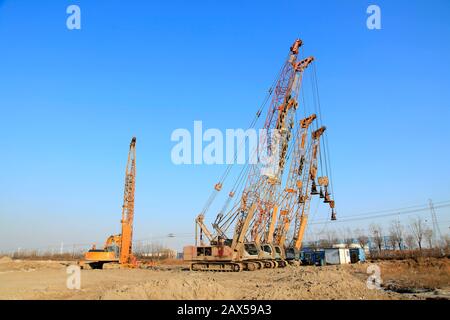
(436, 231)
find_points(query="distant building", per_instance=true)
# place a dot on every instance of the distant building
(336, 256)
(163, 254)
(309, 256)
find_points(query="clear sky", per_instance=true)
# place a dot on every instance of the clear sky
(71, 100)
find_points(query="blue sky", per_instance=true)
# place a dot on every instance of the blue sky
(70, 102)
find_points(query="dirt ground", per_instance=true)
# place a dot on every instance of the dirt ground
(20, 279)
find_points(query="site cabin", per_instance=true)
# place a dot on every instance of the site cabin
(335, 256)
(357, 255)
(311, 257)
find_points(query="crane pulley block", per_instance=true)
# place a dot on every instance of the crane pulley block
(322, 181)
(303, 64)
(297, 44)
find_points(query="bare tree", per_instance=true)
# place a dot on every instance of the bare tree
(410, 241)
(313, 240)
(377, 235)
(446, 241)
(362, 238)
(428, 234)
(396, 233)
(323, 243)
(347, 236)
(332, 237)
(392, 241)
(313, 245)
(329, 239)
(418, 228)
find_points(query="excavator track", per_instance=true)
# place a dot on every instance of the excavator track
(253, 265)
(282, 263)
(237, 266)
(217, 266)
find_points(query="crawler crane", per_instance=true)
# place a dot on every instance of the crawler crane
(309, 190)
(253, 233)
(293, 194)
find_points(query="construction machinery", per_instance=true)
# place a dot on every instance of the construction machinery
(117, 251)
(308, 190)
(255, 232)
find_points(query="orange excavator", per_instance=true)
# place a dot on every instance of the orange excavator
(117, 251)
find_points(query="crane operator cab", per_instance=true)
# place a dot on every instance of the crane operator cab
(280, 256)
(113, 248)
(250, 257)
(266, 255)
(292, 254)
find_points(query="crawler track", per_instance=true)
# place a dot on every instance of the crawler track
(237, 266)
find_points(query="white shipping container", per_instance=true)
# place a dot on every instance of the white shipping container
(337, 256)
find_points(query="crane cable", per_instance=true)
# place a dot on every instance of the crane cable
(252, 124)
(325, 140)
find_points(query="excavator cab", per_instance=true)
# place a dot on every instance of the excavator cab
(251, 250)
(265, 252)
(272, 255)
(279, 252)
(113, 248)
(292, 254)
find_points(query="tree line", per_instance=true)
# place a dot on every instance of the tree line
(416, 235)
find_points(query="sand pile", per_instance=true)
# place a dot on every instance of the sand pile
(169, 289)
(313, 283)
(8, 264)
(291, 283)
(5, 259)
(47, 280)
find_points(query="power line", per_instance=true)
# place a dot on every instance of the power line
(397, 210)
(381, 215)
